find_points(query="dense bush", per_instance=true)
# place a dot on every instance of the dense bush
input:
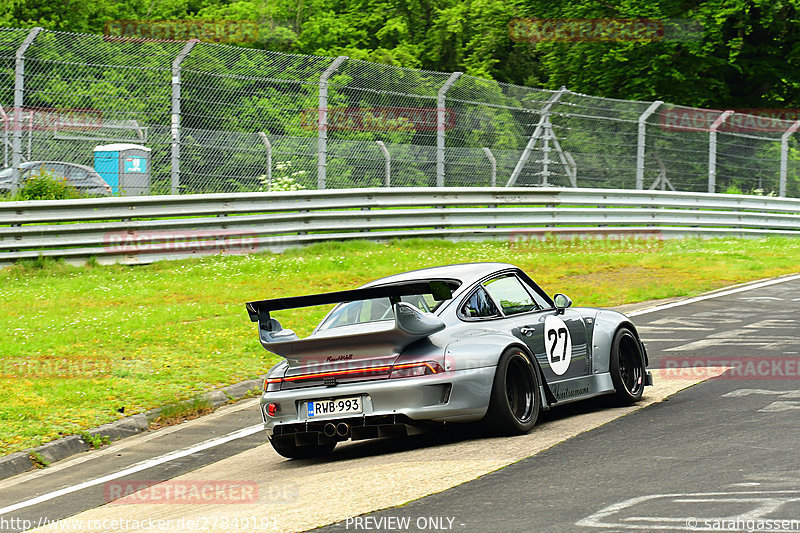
(46, 186)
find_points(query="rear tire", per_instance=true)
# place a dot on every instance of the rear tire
(515, 401)
(627, 367)
(292, 451)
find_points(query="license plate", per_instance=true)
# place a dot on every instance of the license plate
(334, 407)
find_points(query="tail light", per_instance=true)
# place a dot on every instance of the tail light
(416, 369)
(272, 384)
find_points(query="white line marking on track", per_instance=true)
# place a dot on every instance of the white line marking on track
(714, 295)
(609, 517)
(144, 465)
(775, 407)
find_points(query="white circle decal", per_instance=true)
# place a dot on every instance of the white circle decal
(557, 343)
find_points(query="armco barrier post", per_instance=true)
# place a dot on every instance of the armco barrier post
(19, 101)
(175, 173)
(441, 117)
(322, 124)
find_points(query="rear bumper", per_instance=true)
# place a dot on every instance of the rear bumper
(459, 396)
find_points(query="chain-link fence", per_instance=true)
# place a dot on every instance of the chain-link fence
(220, 118)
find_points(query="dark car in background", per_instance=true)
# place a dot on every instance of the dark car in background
(82, 177)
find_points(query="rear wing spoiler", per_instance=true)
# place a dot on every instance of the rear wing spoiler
(440, 289)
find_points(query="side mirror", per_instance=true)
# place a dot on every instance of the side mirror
(562, 302)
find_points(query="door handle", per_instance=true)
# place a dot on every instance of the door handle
(526, 330)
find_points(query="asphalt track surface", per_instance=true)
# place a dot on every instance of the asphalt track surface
(724, 449)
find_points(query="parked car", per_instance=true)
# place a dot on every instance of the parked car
(459, 343)
(84, 178)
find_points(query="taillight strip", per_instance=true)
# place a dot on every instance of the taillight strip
(335, 373)
(434, 370)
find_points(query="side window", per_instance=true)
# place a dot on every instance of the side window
(511, 295)
(540, 301)
(479, 305)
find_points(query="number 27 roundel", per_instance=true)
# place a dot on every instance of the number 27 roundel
(558, 344)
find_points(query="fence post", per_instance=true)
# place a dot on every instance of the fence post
(712, 150)
(175, 166)
(268, 145)
(322, 142)
(526, 153)
(493, 163)
(19, 101)
(388, 158)
(546, 152)
(785, 155)
(640, 143)
(5, 136)
(441, 122)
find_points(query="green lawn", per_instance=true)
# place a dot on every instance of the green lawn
(79, 344)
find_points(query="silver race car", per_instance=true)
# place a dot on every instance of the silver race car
(458, 343)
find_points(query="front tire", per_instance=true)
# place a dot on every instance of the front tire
(292, 451)
(515, 401)
(627, 366)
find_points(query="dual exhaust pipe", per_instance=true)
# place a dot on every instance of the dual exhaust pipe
(331, 430)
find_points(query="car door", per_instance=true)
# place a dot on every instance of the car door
(558, 341)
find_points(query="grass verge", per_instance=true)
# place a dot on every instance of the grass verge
(82, 345)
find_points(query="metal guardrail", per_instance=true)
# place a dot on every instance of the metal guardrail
(144, 229)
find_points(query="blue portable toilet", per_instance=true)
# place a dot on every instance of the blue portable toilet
(126, 167)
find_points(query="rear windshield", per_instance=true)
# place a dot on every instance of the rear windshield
(374, 310)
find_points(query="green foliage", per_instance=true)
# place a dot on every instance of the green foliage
(94, 440)
(738, 53)
(46, 186)
(38, 460)
(41, 263)
(179, 411)
(284, 178)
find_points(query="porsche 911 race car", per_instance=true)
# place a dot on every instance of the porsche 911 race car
(458, 343)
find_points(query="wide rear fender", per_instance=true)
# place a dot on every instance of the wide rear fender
(606, 324)
(483, 348)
